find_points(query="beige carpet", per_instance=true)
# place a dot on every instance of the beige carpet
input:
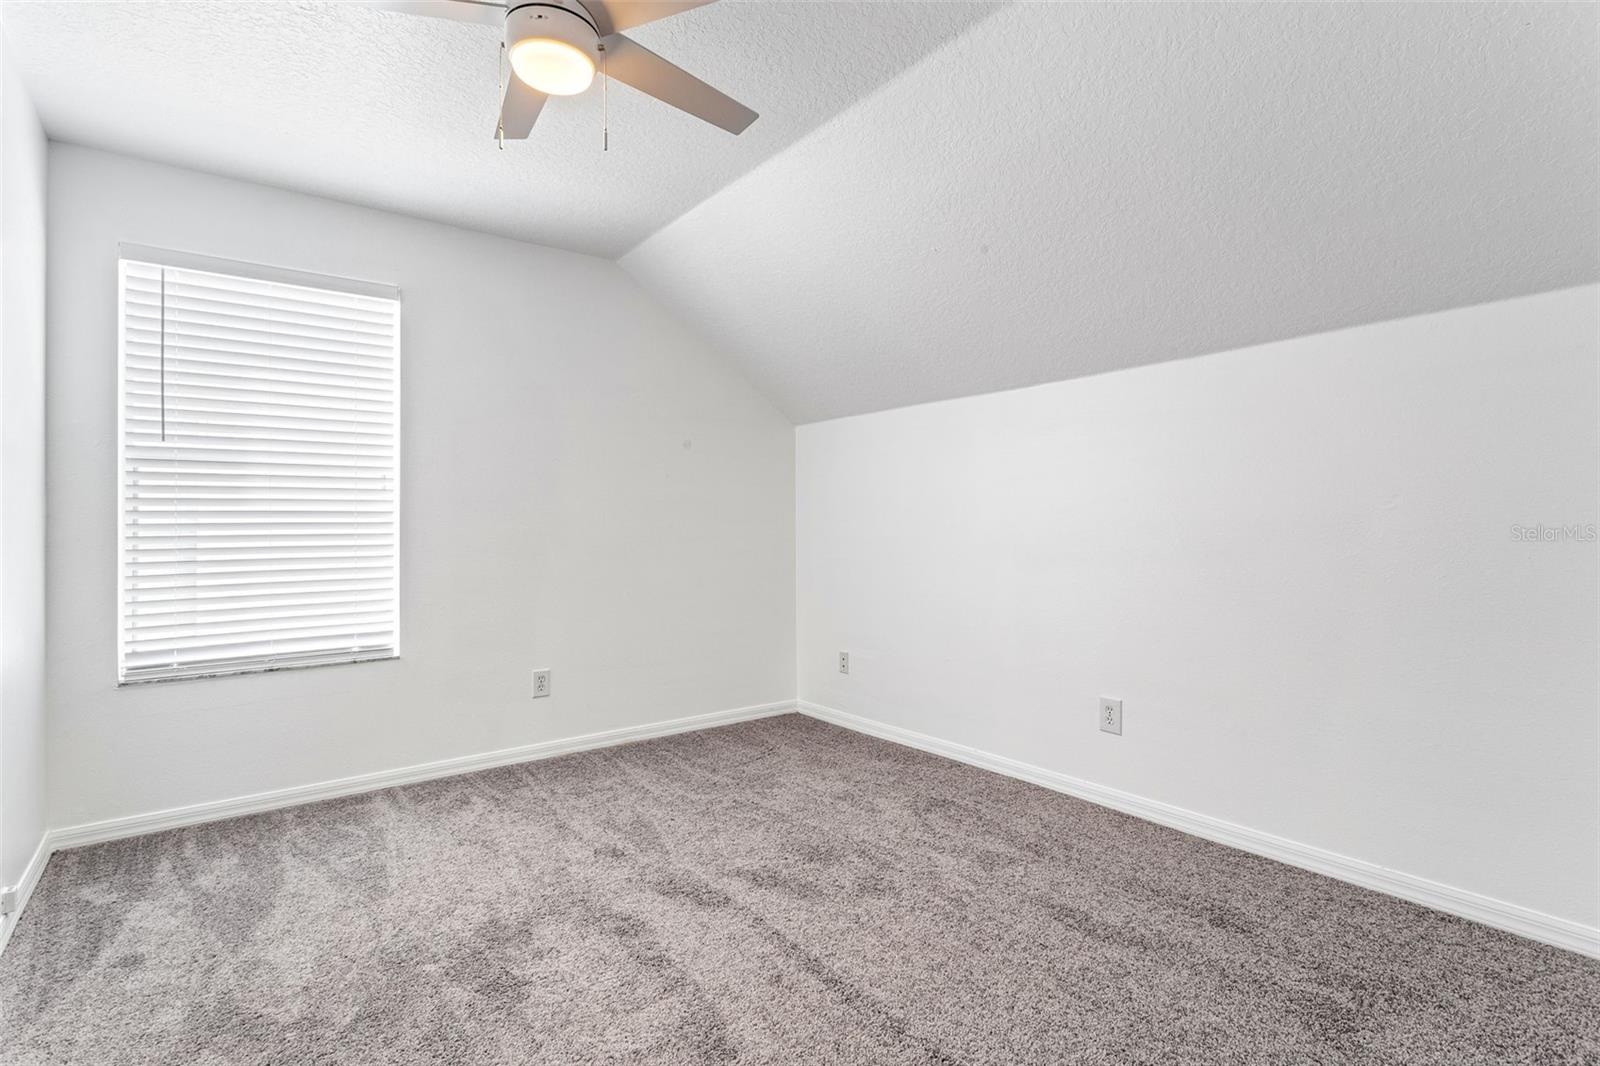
(774, 892)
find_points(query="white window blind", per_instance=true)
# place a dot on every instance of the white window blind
(259, 473)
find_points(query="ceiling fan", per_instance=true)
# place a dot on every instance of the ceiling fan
(555, 45)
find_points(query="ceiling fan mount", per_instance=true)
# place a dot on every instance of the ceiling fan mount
(554, 47)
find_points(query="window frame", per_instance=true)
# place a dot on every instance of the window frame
(248, 271)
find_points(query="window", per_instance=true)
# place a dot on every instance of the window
(259, 462)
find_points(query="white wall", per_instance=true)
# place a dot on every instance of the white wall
(1295, 563)
(585, 488)
(22, 495)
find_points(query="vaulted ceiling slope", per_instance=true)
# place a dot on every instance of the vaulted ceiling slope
(397, 111)
(1073, 188)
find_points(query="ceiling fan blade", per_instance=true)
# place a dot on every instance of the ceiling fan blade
(635, 65)
(520, 109)
(614, 16)
(487, 12)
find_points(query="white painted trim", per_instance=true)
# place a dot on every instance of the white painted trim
(210, 264)
(1535, 925)
(30, 880)
(1523, 921)
(78, 836)
(154, 822)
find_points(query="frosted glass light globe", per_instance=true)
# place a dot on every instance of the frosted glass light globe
(553, 67)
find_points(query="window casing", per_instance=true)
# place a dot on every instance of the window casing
(258, 469)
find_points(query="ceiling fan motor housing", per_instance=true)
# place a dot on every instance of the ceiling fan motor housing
(553, 20)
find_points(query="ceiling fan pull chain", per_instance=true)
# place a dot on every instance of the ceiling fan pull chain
(605, 111)
(500, 124)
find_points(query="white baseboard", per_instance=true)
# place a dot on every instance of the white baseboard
(77, 836)
(154, 822)
(1535, 925)
(25, 887)
(173, 818)
(1523, 921)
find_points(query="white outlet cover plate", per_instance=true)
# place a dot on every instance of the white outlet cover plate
(541, 684)
(1110, 715)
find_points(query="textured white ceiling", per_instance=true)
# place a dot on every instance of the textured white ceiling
(397, 111)
(1073, 188)
(939, 199)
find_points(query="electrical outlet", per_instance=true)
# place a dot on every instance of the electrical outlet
(1110, 715)
(844, 662)
(541, 683)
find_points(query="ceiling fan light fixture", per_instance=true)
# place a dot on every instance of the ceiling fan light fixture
(553, 67)
(556, 47)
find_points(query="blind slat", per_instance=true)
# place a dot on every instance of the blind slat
(334, 601)
(252, 630)
(194, 307)
(259, 445)
(176, 399)
(267, 295)
(217, 592)
(259, 654)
